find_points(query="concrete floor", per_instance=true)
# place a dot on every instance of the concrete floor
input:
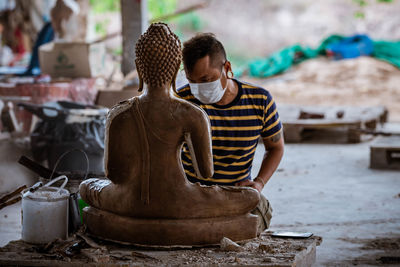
(325, 189)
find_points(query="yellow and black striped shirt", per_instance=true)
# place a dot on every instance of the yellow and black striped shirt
(236, 128)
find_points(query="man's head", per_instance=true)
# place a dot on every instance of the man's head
(204, 59)
(158, 56)
(201, 45)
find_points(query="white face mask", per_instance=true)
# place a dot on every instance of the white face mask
(208, 93)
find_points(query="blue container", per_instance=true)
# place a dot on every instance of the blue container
(351, 47)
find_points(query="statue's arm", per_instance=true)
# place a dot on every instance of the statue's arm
(198, 139)
(118, 154)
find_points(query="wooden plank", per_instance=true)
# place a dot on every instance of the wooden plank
(334, 114)
(299, 122)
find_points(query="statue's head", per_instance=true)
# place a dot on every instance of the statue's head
(158, 56)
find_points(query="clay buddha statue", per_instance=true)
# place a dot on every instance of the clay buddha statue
(147, 198)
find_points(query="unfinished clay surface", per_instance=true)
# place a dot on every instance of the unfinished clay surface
(262, 251)
(144, 137)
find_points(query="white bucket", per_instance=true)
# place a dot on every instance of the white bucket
(45, 213)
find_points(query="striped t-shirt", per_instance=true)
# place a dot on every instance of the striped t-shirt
(236, 128)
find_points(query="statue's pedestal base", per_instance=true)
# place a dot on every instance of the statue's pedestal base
(168, 232)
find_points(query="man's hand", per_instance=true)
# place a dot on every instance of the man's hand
(255, 184)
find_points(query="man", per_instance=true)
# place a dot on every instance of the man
(239, 114)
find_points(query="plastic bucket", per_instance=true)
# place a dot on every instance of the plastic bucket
(45, 213)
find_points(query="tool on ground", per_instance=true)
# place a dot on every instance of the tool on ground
(36, 167)
(290, 234)
(5, 200)
(9, 199)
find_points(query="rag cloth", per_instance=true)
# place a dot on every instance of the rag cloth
(264, 214)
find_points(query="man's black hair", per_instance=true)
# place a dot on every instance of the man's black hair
(201, 45)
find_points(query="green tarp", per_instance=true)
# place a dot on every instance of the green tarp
(387, 51)
(282, 60)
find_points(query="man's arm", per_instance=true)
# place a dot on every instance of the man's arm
(274, 147)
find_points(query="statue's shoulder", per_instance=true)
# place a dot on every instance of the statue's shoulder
(120, 108)
(190, 110)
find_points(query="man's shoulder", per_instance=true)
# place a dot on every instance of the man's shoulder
(252, 89)
(184, 93)
(184, 90)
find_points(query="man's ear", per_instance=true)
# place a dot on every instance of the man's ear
(139, 76)
(228, 69)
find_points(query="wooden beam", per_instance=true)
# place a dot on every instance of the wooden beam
(134, 23)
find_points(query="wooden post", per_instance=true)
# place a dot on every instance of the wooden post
(134, 23)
